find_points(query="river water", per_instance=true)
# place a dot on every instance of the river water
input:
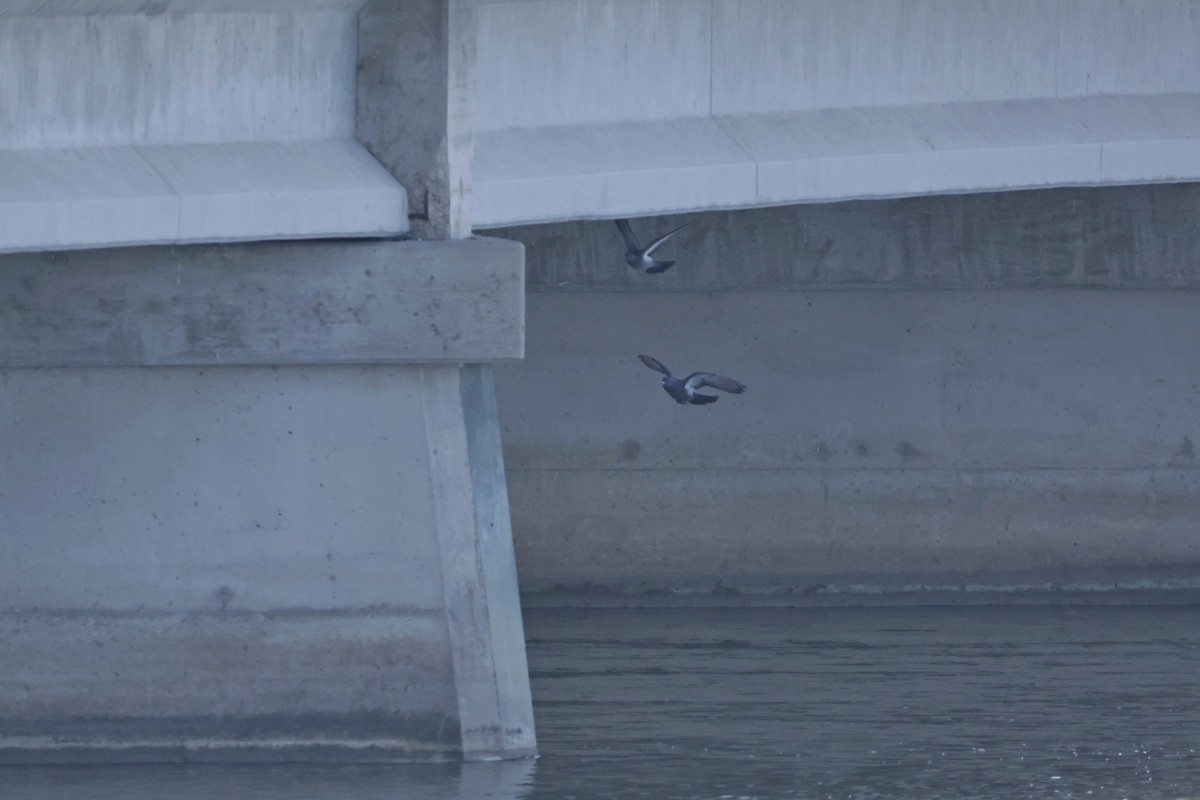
(935, 702)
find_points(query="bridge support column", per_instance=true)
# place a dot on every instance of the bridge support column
(253, 504)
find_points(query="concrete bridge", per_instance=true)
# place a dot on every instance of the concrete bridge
(254, 500)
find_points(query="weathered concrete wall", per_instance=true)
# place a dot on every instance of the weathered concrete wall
(941, 386)
(298, 549)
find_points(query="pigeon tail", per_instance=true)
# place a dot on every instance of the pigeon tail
(659, 266)
(702, 399)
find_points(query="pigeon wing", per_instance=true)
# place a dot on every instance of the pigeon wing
(631, 242)
(655, 364)
(698, 379)
(658, 242)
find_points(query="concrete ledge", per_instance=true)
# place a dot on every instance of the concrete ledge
(531, 175)
(280, 303)
(110, 196)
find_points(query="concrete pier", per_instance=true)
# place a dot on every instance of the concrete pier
(254, 506)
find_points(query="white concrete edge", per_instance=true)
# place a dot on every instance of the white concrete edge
(1083, 142)
(482, 227)
(174, 194)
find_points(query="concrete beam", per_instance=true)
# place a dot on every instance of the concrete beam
(757, 103)
(73, 8)
(416, 94)
(152, 194)
(199, 122)
(281, 303)
(168, 79)
(545, 63)
(681, 165)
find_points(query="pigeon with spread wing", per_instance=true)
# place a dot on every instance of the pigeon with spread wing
(684, 389)
(641, 258)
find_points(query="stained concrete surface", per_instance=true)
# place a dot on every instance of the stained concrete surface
(266, 303)
(249, 563)
(416, 105)
(169, 583)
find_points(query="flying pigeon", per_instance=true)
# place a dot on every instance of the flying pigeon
(641, 259)
(684, 391)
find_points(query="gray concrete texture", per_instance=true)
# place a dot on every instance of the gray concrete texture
(416, 104)
(254, 506)
(948, 386)
(755, 103)
(253, 562)
(195, 558)
(131, 122)
(569, 62)
(279, 303)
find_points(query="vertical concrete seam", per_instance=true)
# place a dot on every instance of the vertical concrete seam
(712, 64)
(1058, 54)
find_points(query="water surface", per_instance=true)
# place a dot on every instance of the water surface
(995, 702)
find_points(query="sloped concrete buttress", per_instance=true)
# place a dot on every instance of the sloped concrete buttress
(479, 575)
